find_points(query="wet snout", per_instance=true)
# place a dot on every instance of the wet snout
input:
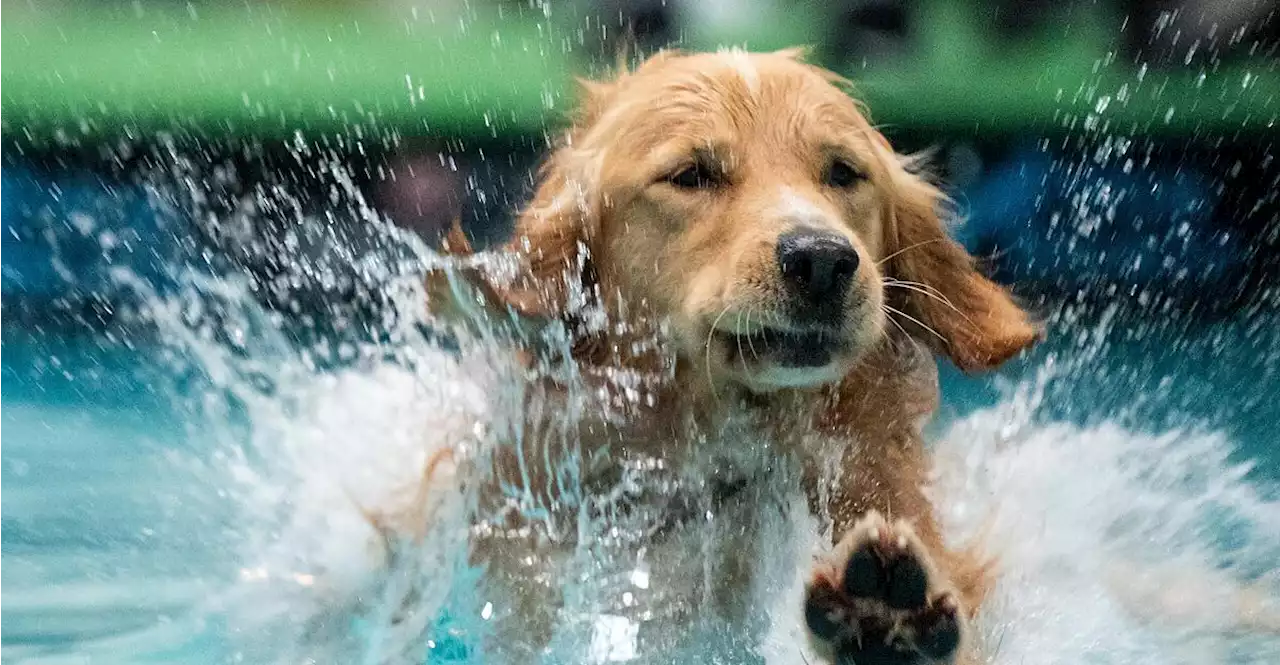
(817, 268)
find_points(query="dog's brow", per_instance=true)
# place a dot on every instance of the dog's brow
(845, 151)
(715, 154)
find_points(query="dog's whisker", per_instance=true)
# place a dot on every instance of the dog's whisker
(921, 285)
(913, 319)
(924, 290)
(899, 327)
(741, 357)
(909, 248)
(931, 292)
(751, 342)
(707, 351)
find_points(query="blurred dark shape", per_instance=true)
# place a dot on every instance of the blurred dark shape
(650, 20)
(1064, 226)
(1014, 19)
(422, 192)
(424, 189)
(1177, 33)
(871, 30)
(617, 25)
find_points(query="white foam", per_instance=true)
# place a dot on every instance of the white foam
(353, 445)
(1080, 516)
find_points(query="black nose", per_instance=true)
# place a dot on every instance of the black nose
(817, 267)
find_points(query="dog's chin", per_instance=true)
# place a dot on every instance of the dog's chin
(770, 359)
(774, 378)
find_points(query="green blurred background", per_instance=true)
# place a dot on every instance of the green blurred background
(501, 68)
(1157, 117)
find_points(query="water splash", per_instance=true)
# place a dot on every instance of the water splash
(311, 435)
(1087, 519)
(1116, 546)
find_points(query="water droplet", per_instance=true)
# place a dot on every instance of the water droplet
(640, 578)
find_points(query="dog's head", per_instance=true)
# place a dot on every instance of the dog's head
(745, 200)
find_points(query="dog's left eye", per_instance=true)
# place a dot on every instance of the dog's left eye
(695, 176)
(841, 174)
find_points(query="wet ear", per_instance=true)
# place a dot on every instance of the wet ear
(554, 276)
(552, 239)
(972, 320)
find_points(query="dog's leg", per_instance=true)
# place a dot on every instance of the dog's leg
(463, 293)
(891, 592)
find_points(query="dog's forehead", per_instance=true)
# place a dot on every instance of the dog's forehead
(705, 90)
(737, 71)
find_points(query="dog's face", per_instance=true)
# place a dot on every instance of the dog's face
(744, 200)
(744, 207)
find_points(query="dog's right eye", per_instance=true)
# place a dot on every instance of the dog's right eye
(695, 176)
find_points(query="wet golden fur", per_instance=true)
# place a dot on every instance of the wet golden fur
(696, 266)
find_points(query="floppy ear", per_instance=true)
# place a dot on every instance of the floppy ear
(553, 237)
(554, 277)
(974, 321)
(556, 232)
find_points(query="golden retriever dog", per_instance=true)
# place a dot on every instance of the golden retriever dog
(731, 232)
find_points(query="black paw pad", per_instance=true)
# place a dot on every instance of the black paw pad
(876, 652)
(889, 574)
(908, 583)
(825, 612)
(865, 574)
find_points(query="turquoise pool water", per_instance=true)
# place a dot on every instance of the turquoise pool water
(129, 480)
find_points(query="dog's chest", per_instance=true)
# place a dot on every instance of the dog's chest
(639, 489)
(663, 524)
(665, 537)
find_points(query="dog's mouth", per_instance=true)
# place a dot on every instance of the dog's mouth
(785, 348)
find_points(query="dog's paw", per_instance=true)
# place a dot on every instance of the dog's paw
(880, 601)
